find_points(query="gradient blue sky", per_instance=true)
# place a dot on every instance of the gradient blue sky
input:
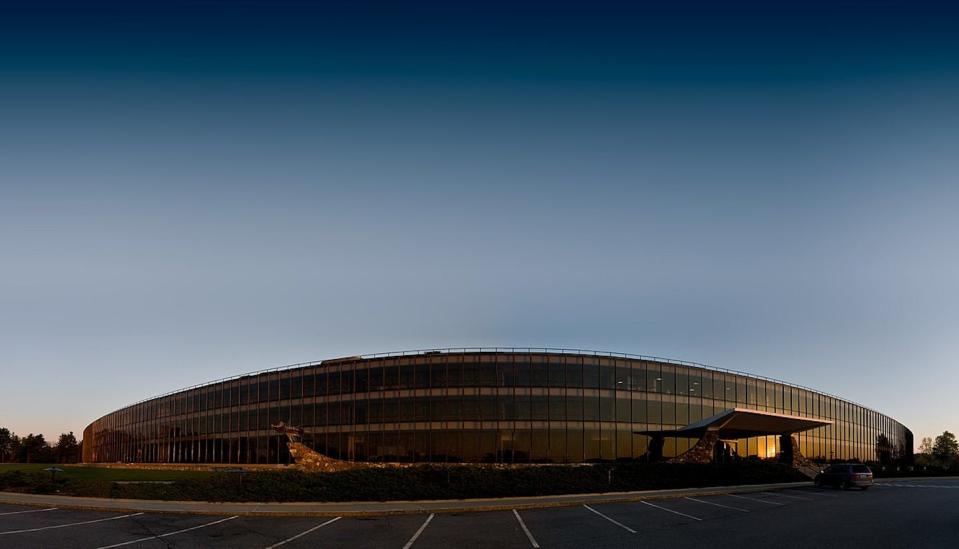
(191, 190)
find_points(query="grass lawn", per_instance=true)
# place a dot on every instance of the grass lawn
(104, 473)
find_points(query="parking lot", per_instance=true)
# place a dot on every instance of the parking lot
(914, 513)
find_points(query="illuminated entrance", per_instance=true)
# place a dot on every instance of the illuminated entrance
(717, 435)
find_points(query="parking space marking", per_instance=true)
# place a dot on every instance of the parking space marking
(817, 494)
(904, 485)
(532, 540)
(670, 510)
(420, 531)
(301, 534)
(28, 511)
(131, 542)
(755, 499)
(718, 505)
(785, 496)
(68, 525)
(620, 524)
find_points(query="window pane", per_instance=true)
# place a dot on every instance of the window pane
(557, 408)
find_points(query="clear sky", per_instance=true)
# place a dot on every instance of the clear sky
(192, 190)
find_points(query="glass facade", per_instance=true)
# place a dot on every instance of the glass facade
(482, 406)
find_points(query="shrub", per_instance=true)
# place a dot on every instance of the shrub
(420, 482)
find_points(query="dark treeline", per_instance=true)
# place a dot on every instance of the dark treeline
(938, 455)
(35, 449)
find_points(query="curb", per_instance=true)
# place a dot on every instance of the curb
(371, 508)
(880, 480)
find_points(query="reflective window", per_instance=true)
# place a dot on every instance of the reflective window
(229, 422)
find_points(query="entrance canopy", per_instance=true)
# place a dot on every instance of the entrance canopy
(742, 423)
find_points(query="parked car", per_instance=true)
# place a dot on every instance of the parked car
(845, 476)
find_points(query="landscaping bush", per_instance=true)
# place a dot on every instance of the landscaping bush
(416, 483)
(35, 483)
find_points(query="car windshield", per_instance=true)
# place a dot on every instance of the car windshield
(860, 469)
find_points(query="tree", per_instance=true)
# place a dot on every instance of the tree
(67, 449)
(6, 444)
(923, 456)
(34, 449)
(946, 449)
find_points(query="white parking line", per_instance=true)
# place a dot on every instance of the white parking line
(670, 510)
(904, 485)
(27, 511)
(620, 524)
(420, 531)
(785, 496)
(67, 525)
(756, 499)
(817, 494)
(718, 505)
(532, 540)
(167, 534)
(301, 534)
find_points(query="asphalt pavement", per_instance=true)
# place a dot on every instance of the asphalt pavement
(913, 513)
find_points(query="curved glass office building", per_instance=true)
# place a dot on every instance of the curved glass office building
(478, 405)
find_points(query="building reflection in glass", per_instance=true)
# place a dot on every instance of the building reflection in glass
(476, 406)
